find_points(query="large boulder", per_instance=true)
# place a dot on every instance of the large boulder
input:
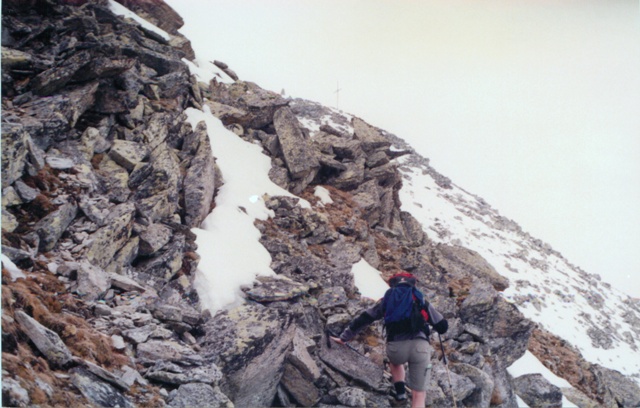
(249, 344)
(200, 179)
(352, 364)
(496, 322)
(109, 239)
(537, 391)
(481, 395)
(616, 388)
(14, 152)
(297, 150)
(457, 259)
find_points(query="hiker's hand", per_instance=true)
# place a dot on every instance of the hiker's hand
(442, 326)
(337, 339)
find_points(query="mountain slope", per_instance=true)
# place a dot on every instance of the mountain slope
(120, 161)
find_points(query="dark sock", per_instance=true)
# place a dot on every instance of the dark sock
(399, 387)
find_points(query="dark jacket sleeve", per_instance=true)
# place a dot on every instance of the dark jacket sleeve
(436, 320)
(363, 320)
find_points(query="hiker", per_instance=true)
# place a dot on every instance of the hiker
(407, 342)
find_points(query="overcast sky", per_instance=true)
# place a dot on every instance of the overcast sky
(532, 105)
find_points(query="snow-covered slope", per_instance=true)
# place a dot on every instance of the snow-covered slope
(601, 322)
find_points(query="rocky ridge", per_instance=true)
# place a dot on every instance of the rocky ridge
(102, 181)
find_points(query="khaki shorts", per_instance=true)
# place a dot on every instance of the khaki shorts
(417, 353)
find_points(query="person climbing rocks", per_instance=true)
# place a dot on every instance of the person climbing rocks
(407, 317)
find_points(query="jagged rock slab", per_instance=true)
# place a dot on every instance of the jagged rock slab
(98, 392)
(276, 288)
(536, 391)
(352, 364)
(47, 341)
(249, 344)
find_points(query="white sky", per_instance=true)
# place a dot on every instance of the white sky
(531, 105)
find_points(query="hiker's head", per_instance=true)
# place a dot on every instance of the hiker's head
(402, 277)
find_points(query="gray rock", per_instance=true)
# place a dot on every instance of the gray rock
(115, 179)
(497, 322)
(351, 396)
(14, 152)
(156, 185)
(370, 137)
(167, 262)
(10, 197)
(249, 344)
(122, 260)
(118, 343)
(165, 350)
(352, 364)
(12, 58)
(332, 297)
(376, 159)
(53, 225)
(99, 392)
(258, 104)
(170, 373)
(152, 238)
(109, 239)
(102, 310)
(456, 259)
(504, 395)
(93, 281)
(128, 154)
(536, 391)
(26, 193)
(13, 394)
(199, 395)
(59, 161)
(131, 376)
(579, 398)
(124, 283)
(351, 177)
(199, 180)
(54, 79)
(299, 386)
(53, 116)
(104, 375)
(301, 358)
(413, 233)
(167, 312)
(9, 222)
(297, 151)
(47, 341)
(367, 197)
(617, 388)
(139, 335)
(481, 396)
(225, 113)
(275, 288)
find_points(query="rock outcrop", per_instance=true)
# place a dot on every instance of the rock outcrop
(103, 180)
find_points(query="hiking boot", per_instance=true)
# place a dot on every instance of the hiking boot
(399, 392)
(399, 397)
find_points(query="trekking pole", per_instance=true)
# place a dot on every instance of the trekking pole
(329, 334)
(446, 366)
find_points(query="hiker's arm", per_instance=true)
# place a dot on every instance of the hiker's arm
(363, 320)
(436, 319)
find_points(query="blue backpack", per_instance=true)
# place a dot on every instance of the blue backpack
(404, 307)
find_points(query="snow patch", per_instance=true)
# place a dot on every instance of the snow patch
(121, 10)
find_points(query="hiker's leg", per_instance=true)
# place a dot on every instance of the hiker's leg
(419, 372)
(397, 372)
(418, 399)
